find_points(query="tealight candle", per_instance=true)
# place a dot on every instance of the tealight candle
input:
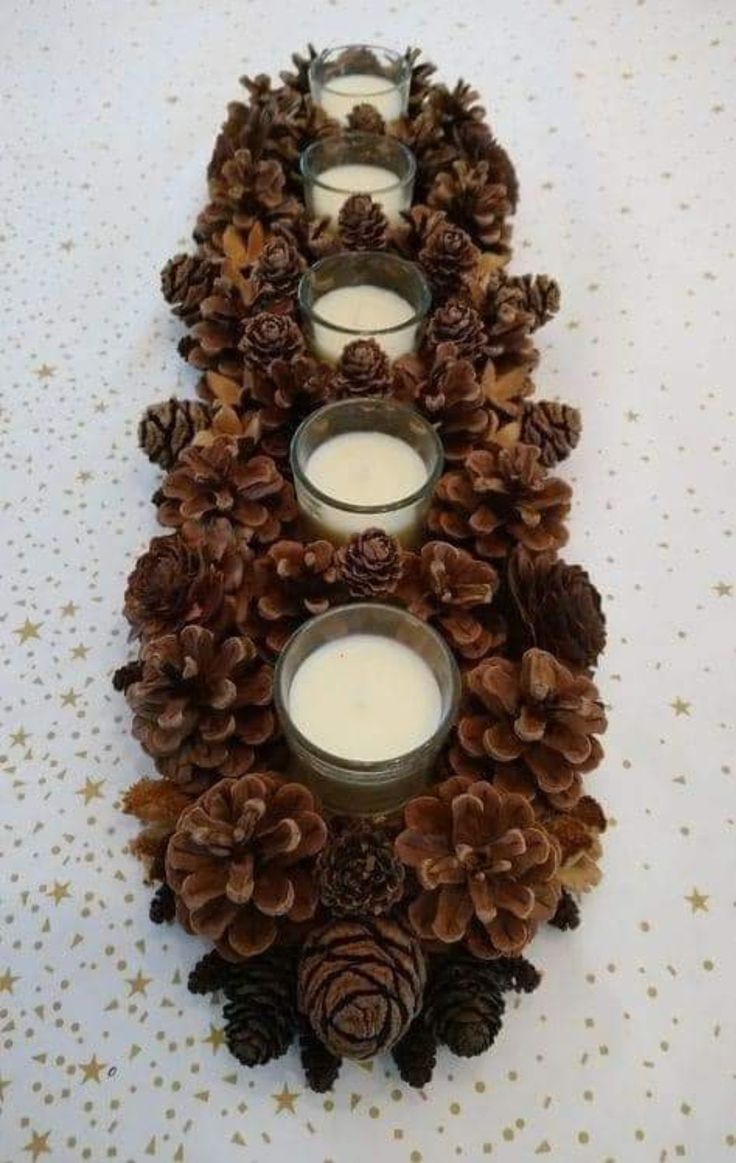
(366, 695)
(363, 295)
(342, 78)
(365, 463)
(333, 168)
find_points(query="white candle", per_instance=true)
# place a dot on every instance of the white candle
(335, 185)
(365, 697)
(339, 95)
(365, 312)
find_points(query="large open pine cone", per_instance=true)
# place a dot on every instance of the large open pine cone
(294, 581)
(471, 200)
(202, 703)
(239, 862)
(486, 866)
(555, 607)
(538, 721)
(447, 390)
(500, 497)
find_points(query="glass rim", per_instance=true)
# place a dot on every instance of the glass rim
(395, 57)
(357, 138)
(380, 770)
(410, 268)
(433, 476)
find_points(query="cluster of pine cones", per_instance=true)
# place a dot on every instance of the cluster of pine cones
(358, 938)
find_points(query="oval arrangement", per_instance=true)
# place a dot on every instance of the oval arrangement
(374, 887)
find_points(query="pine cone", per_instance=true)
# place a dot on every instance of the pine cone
(567, 914)
(515, 307)
(486, 867)
(277, 270)
(502, 496)
(556, 607)
(125, 675)
(450, 587)
(450, 395)
(212, 344)
(174, 583)
(450, 259)
(476, 143)
(365, 118)
(214, 491)
(553, 428)
(464, 1004)
(299, 79)
(517, 974)
(243, 192)
(186, 280)
(168, 428)
(470, 200)
(537, 721)
(578, 833)
(370, 564)
(163, 905)
(260, 1013)
(420, 83)
(364, 369)
(358, 874)
(202, 703)
(458, 323)
(360, 985)
(295, 580)
(320, 1067)
(416, 1054)
(268, 337)
(285, 394)
(211, 973)
(362, 224)
(239, 862)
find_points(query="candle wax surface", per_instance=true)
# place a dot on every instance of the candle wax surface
(366, 468)
(365, 697)
(353, 178)
(365, 311)
(339, 95)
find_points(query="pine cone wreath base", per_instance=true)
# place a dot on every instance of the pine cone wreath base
(399, 935)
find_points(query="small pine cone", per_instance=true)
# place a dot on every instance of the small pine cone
(278, 269)
(416, 1054)
(320, 1067)
(211, 973)
(260, 1014)
(359, 875)
(370, 564)
(517, 974)
(126, 675)
(364, 370)
(268, 337)
(556, 607)
(163, 905)
(166, 429)
(365, 118)
(464, 1005)
(553, 428)
(362, 224)
(186, 281)
(567, 915)
(449, 259)
(458, 323)
(471, 200)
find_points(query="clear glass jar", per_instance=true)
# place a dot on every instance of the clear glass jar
(373, 787)
(360, 74)
(336, 520)
(333, 168)
(384, 297)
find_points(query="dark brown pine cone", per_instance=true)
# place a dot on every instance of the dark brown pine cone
(166, 429)
(556, 607)
(212, 344)
(320, 1067)
(125, 675)
(458, 323)
(362, 224)
(364, 370)
(366, 119)
(286, 392)
(567, 915)
(420, 84)
(163, 905)
(416, 1054)
(210, 973)
(553, 428)
(515, 307)
(260, 1011)
(464, 1004)
(517, 974)
(277, 270)
(370, 564)
(449, 259)
(186, 280)
(243, 192)
(358, 874)
(477, 143)
(360, 985)
(473, 202)
(267, 337)
(450, 394)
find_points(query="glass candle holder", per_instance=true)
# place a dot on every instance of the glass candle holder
(370, 672)
(365, 463)
(360, 74)
(357, 163)
(363, 295)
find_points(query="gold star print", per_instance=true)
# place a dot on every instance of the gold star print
(285, 1100)
(723, 589)
(632, 417)
(138, 983)
(80, 651)
(45, 371)
(698, 901)
(215, 1038)
(69, 698)
(92, 1070)
(680, 707)
(4, 1084)
(28, 630)
(59, 892)
(66, 245)
(69, 610)
(84, 476)
(91, 790)
(7, 981)
(39, 1145)
(19, 738)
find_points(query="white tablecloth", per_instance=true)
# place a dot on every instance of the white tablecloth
(619, 116)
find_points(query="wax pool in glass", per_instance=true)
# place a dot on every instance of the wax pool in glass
(365, 463)
(363, 295)
(366, 695)
(357, 163)
(360, 74)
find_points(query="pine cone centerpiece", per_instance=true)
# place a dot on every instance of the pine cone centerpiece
(214, 490)
(370, 564)
(364, 370)
(361, 223)
(295, 580)
(475, 203)
(358, 874)
(239, 862)
(464, 1004)
(360, 985)
(502, 496)
(538, 721)
(202, 703)
(553, 428)
(260, 1011)
(449, 586)
(268, 337)
(486, 866)
(556, 607)
(166, 429)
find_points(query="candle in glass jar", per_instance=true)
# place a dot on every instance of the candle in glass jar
(365, 697)
(340, 94)
(363, 312)
(335, 185)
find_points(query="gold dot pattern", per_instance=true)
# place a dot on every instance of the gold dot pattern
(619, 116)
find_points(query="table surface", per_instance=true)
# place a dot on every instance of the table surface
(619, 116)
